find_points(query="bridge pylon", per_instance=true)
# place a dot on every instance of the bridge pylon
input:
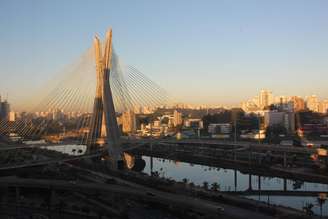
(103, 122)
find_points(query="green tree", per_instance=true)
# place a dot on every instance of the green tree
(205, 185)
(215, 186)
(185, 181)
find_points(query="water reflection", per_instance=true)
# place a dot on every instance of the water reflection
(221, 179)
(134, 162)
(233, 180)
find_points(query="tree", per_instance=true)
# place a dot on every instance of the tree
(249, 122)
(185, 181)
(222, 117)
(215, 186)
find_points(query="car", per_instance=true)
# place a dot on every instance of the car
(150, 194)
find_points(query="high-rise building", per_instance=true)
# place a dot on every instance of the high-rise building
(128, 122)
(12, 117)
(323, 106)
(4, 110)
(285, 119)
(312, 103)
(298, 103)
(256, 101)
(273, 118)
(177, 118)
(266, 98)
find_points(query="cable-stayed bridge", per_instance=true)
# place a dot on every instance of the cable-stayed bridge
(81, 106)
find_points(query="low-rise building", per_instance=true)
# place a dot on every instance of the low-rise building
(285, 119)
(220, 130)
(193, 123)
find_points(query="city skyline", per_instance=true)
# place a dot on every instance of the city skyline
(222, 48)
(263, 101)
(171, 104)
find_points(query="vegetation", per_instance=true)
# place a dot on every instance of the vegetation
(215, 186)
(205, 185)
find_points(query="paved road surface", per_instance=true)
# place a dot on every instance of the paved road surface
(202, 206)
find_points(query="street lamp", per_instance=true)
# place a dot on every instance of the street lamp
(259, 123)
(235, 125)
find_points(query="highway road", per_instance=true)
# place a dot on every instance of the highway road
(198, 142)
(217, 143)
(180, 201)
(278, 193)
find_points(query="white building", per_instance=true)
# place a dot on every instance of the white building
(323, 106)
(12, 117)
(312, 103)
(177, 118)
(266, 98)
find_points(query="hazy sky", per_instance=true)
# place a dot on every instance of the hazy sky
(200, 51)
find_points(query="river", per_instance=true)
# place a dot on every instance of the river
(225, 178)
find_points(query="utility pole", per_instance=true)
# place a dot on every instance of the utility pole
(259, 121)
(235, 139)
(151, 149)
(198, 132)
(235, 124)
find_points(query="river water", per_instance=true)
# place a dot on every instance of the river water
(227, 179)
(233, 180)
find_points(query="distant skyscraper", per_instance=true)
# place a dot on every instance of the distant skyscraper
(256, 101)
(266, 98)
(312, 103)
(298, 103)
(323, 106)
(177, 118)
(12, 116)
(4, 110)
